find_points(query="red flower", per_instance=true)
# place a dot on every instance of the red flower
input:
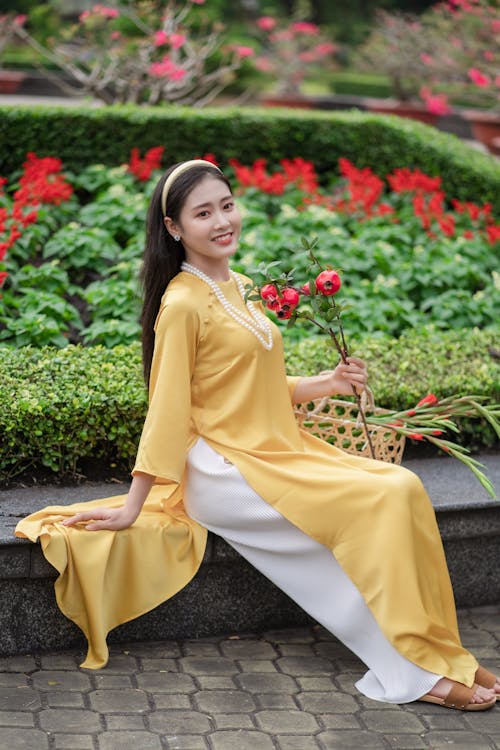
(142, 168)
(493, 232)
(3, 276)
(328, 282)
(430, 400)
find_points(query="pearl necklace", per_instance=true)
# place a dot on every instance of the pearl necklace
(256, 323)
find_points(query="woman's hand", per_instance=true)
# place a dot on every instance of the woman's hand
(332, 382)
(103, 518)
(345, 376)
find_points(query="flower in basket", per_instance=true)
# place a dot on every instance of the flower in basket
(313, 300)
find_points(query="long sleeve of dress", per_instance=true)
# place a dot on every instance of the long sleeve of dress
(165, 437)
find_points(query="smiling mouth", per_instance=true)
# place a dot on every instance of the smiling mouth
(226, 237)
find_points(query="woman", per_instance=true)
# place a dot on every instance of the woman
(353, 541)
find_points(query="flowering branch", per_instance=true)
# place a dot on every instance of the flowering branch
(324, 312)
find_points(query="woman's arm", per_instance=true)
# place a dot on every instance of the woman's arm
(338, 381)
(117, 518)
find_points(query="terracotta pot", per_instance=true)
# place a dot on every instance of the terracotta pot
(485, 128)
(10, 80)
(401, 109)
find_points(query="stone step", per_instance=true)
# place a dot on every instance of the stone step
(228, 595)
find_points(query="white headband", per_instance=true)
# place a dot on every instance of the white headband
(175, 174)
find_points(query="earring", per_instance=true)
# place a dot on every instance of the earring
(176, 237)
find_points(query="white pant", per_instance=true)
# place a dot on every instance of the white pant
(219, 498)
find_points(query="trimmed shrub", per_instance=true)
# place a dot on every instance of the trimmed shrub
(82, 136)
(64, 406)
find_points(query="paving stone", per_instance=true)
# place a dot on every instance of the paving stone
(233, 721)
(276, 722)
(19, 699)
(55, 662)
(240, 740)
(304, 665)
(392, 721)
(328, 702)
(16, 719)
(121, 664)
(296, 743)
(154, 650)
(118, 701)
(73, 742)
(108, 681)
(466, 740)
(206, 682)
(224, 701)
(266, 683)
(316, 683)
(490, 720)
(207, 665)
(193, 648)
(290, 635)
(129, 741)
(405, 741)
(13, 680)
(122, 721)
(69, 720)
(256, 665)
(339, 721)
(171, 700)
(275, 700)
(159, 665)
(170, 682)
(23, 739)
(297, 649)
(350, 740)
(59, 680)
(246, 649)
(17, 664)
(187, 742)
(65, 700)
(179, 722)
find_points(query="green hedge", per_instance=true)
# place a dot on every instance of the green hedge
(82, 136)
(61, 407)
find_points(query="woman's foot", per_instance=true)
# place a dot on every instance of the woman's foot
(488, 680)
(481, 694)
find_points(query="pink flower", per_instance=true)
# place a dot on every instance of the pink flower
(478, 78)
(20, 20)
(177, 74)
(83, 16)
(177, 40)
(326, 48)
(426, 59)
(242, 51)
(109, 12)
(488, 55)
(303, 27)
(435, 103)
(160, 38)
(266, 23)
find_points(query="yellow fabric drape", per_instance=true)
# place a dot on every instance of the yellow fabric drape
(212, 378)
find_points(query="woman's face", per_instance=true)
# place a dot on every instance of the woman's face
(209, 226)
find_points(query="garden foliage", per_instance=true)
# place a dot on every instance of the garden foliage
(80, 137)
(64, 407)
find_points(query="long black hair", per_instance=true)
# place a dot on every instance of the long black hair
(163, 255)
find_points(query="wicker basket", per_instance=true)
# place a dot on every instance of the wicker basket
(337, 422)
